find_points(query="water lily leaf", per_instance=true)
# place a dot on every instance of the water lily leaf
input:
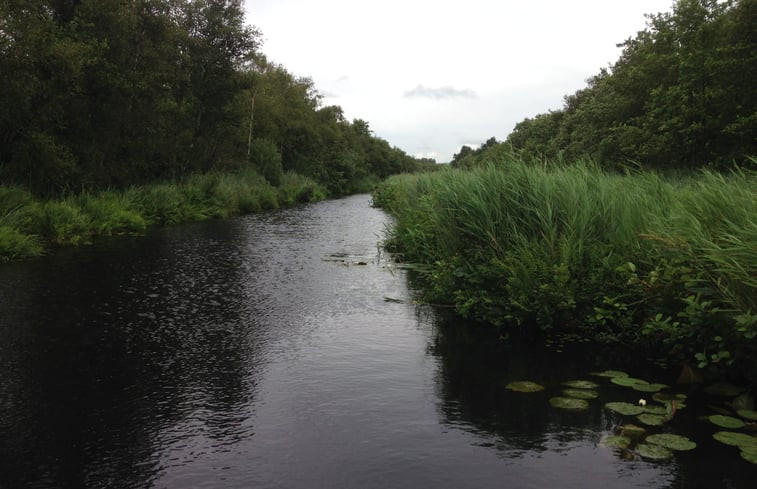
(632, 431)
(616, 442)
(655, 410)
(649, 387)
(666, 397)
(624, 408)
(726, 421)
(569, 403)
(726, 390)
(581, 384)
(749, 454)
(652, 419)
(524, 386)
(747, 414)
(671, 442)
(741, 440)
(610, 374)
(580, 393)
(628, 381)
(653, 452)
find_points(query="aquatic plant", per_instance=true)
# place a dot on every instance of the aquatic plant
(569, 403)
(524, 386)
(726, 421)
(671, 441)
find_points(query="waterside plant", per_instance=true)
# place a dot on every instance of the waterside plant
(665, 264)
(29, 226)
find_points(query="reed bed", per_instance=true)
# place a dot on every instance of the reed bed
(635, 258)
(28, 226)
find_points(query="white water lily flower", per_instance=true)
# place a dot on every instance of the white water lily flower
(642, 402)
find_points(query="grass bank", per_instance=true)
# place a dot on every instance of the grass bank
(639, 259)
(29, 226)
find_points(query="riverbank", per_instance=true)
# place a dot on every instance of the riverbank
(29, 227)
(658, 264)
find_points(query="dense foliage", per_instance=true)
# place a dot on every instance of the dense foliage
(681, 96)
(637, 259)
(102, 94)
(29, 225)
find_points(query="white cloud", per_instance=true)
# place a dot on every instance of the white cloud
(440, 93)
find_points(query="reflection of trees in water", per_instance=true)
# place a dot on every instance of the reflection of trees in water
(108, 362)
(475, 368)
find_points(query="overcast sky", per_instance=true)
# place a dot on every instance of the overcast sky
(432, 75)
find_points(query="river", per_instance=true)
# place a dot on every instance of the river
(262, 352)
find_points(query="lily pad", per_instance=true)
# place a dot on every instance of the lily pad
(655, 410)
(628, 381)
(726, 421)
(569, 403)
(524, 386)
(665, 397)
(616, 442)
(580, 393)
(649, 387)
(653, 452)
(632, 431)
(580, 384)
(749, 454)
(726, 390)
(671, 442)
(624, 408)
(747, 414)
(741, 440)
(610, 373)
(652, 419)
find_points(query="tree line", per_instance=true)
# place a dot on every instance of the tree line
(111, 93)
(681, 95)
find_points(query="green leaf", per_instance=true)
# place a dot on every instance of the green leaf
(580, 393)
(581, 384)
(624, 408)
(616, 442)
(671, 442)
(726, 421)
(652, 419)
(653, 452)
(747, 414)
(524, 386)
(569, 403)
(741, 440)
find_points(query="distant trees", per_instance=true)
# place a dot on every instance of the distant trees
(108, 93)
(681, 95)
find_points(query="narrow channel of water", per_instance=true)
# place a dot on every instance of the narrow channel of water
(260, 352)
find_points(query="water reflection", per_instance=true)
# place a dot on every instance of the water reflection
(111, 354)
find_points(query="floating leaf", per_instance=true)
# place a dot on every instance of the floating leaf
(580, 393)
(616, 442)
(743, 401)
(580, 384)
(610, 373)
(741, 440)
(524, 386)
(653, 452)
(655, 410)
(632, 431)
(749, 454)
(726, 390)
(624, 408)
(671, 442)
(652, 419)
(628, 381)
(569, 403)
(726, 421)
(665, 397)
(747, 414)
(649, 387)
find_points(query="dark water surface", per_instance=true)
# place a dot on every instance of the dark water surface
(259, 353)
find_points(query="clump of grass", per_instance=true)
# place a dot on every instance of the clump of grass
(27, 224)
(553, 248)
